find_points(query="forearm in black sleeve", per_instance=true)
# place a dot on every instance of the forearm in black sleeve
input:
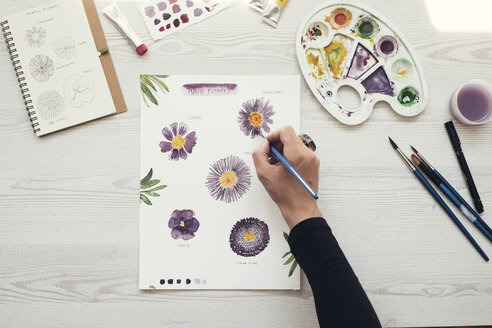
(338, 295)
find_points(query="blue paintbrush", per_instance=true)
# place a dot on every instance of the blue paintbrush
(281, 158)
(438, 198)
(451, 193)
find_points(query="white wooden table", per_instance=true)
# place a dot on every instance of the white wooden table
(69, 201)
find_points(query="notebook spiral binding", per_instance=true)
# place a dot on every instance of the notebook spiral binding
(14, 57)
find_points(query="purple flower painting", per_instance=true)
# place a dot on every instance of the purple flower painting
(228, 179)
(183, 224)
(179, 141)
(249, 237)
(255, 117)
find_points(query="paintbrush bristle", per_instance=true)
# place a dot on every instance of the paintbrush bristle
(415, 159)
(414, 150)
(393, 143)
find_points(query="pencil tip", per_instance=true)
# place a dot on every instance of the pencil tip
(392, 143)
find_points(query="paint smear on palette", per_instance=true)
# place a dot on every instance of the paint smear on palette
(210, 89)
(180, 13)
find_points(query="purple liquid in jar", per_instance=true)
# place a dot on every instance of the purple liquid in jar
(474, 103)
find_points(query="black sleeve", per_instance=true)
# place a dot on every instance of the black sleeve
(339, 297)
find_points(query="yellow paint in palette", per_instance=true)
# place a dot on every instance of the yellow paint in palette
(336, 54)
(317, 64)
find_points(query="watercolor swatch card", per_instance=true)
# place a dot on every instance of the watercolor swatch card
(206, 221)
(167, 16)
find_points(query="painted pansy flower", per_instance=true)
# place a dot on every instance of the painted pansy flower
(180, 142)
(183, 224)
(228, 179)
(254, 117)
(249, 237)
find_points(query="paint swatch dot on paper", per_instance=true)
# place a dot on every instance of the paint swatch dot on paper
(162, 282)
(161, 6)
(204, 281)
(189, 3)
(170, 281)
(185, 18)
(157, 21)
(166, 16)
(197, 281)
(149, 11)
(176, 9)
(161, 29)
(168, 26)
(198, 12)
(188, 281)
(178, 281)
(176, 22)
(173, 1)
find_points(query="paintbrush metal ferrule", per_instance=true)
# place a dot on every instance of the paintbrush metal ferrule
(422, 158)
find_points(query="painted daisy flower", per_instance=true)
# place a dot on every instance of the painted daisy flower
(249, 237)
(180, 142)
(36, 36)
(254, 117)
(228, 179)
(183, 224)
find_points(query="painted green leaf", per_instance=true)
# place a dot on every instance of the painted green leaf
(147, 81)
(161, 84)
(145, 199)
(291, 258)
(148, 93)
(149, 184)
(162, 76)
(147, 178)
(292, 268)
(286, 254)
(151, 193)
(286, 236)
(158, 188)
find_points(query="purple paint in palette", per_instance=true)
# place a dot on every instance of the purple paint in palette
(474, 103)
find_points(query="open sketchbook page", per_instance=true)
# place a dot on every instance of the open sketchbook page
(61, 67)
(206, 222)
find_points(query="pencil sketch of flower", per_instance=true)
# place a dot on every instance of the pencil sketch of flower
(65, 47)
(179, 141)
(149, 91)
(249, 237)
(50, 104)
(78, 90)
(254, 117)
(291, 259)
(228, 179)
(35, 36)
(148, 187)
(183, 224)
(41, 68)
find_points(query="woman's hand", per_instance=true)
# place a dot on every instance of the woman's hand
(295, 203)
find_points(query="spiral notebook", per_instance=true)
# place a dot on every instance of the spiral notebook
(62, 77)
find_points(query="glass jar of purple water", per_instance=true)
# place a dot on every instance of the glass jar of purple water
(472, 102)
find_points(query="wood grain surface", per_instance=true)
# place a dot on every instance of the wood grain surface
(69, 201)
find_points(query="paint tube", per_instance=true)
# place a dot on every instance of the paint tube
(118, 18)
(257, 5)
(272, 11)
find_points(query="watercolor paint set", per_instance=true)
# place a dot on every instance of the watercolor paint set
(344, 45)
(165, 17)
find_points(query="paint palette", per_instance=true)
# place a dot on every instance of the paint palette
(342, 45)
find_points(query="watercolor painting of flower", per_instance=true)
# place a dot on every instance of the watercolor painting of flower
(249, 237)
(179, 141)
(291, 259)
(148, 187)
(148, 86)
(183, 224)
(228, 179)
(255, 116)
(65, 47)
(35, 36)
(41, 68)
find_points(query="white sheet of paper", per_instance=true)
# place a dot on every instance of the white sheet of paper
(211, 109)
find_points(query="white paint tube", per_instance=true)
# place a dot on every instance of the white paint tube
(258, 5)
(272, 11)
(118, 18)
